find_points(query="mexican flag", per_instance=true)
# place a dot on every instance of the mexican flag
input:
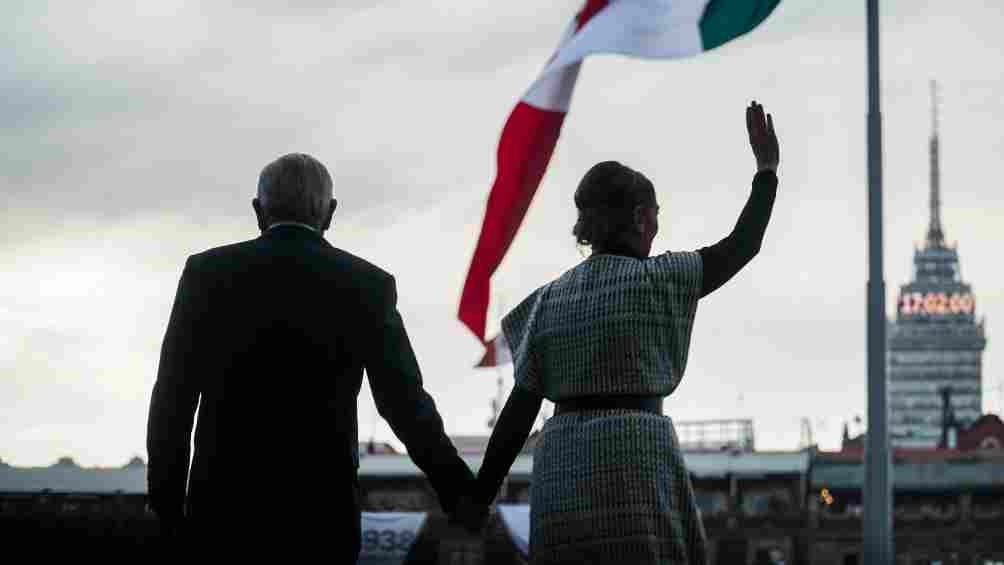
(657, 29)
(497, 353)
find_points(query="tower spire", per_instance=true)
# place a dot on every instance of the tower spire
(935, 235)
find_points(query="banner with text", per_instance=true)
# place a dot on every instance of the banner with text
(388, 536)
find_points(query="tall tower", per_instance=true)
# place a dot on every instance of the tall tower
(935, 342)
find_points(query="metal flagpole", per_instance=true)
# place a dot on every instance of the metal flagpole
(502, 306)
(877, 523)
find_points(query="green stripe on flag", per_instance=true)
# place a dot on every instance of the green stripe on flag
(724, 20)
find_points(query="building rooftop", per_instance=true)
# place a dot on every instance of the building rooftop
(402, 466)
(67, 477)
(375, 447)
(914, 469)
(702, 464)
(748, 464)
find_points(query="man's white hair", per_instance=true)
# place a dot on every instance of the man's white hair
(295, 188)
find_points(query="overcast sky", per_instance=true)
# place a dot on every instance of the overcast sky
(133, 137)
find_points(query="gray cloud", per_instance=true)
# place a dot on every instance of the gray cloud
(134, 134)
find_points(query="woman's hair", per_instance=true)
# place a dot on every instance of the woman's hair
(606, 198)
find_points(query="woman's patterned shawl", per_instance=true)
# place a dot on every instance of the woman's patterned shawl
(610, 325)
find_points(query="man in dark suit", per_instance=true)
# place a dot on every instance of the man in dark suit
(270, 338)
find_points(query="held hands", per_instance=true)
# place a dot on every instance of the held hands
(471, 515)
(762, 138)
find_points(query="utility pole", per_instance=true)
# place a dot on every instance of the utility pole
(806, 440)
(877, 523)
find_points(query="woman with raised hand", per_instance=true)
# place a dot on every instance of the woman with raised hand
(606, 342)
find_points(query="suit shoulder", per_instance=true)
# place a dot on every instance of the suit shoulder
(361, 267)
(327, 258)
(210, 257)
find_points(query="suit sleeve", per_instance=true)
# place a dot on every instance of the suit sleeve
(396, 383)
(724, 259)
(174, 399)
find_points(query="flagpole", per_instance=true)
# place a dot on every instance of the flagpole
(501, 380)
(499, 403)
(877, 523)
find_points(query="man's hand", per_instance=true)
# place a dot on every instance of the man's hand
(470, 514)
(762, 138)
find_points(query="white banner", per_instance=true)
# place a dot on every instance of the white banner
(387, 536)
(516, 518)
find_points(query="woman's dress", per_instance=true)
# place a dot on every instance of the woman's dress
(610, 486)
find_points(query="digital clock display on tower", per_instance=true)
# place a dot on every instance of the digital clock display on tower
(936, 303)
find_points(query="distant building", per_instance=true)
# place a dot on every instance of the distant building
(135, 463)
(986, 433)
(470, 445)
(715, 435)
(752, 502)
(65, 476)
(373, 447)
(948, 506)
(478, 444)
(935, 343)
(795, 507)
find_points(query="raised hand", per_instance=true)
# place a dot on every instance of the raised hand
(762, 138)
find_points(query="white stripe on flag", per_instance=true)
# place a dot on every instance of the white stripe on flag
(658, 29)
(553, 88)
(636, 28)
(502, 353)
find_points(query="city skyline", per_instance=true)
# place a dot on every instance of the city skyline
(136, 140)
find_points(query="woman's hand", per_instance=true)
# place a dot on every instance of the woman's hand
(762, 138)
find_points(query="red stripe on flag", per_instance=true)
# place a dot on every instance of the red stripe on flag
(490, 358)
(496, 353)
(588, 11)
(525, 148)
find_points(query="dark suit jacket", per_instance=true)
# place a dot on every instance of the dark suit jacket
(269, 338)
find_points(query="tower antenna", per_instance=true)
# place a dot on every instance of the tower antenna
(935, 234)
